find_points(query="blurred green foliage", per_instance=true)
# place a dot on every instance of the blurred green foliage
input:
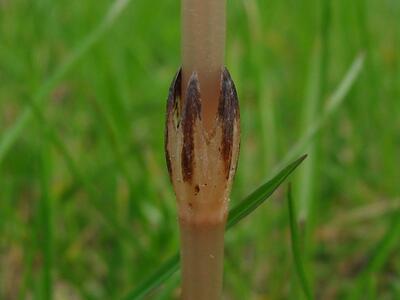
(86, 208)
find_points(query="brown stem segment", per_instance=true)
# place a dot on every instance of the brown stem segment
(202, 255)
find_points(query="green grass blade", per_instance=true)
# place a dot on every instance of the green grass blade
(378, 255)
(259, 57)
(155, 280)
(80, 176)
(384, 247)
(169, 288)
(334, 101)
(295, 241)
(240, 211)
(10, 135)
(45, 236)
(306, 175)
(256, 198)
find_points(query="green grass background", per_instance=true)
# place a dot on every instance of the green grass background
(86, 208)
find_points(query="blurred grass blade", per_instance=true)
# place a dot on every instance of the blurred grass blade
(45, 228)
(334, 101)
(10, 135)
(155, 280)
(378, 255)
(169, 287)
(382, 250)
(240, 211)
(306, 178)
(264, 84)
(295, 241)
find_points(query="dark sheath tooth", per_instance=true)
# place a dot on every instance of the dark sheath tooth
(191, 112)
(228, 115)
(174, 96)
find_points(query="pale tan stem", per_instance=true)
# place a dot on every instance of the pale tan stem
(202, 255)
(203, 47)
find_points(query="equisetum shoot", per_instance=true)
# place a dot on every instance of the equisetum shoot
(202, 146)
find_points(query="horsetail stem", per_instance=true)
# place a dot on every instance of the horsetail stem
(202, 146)
(203, 48)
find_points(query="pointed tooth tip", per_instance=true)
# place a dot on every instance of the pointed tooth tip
(192, 103)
